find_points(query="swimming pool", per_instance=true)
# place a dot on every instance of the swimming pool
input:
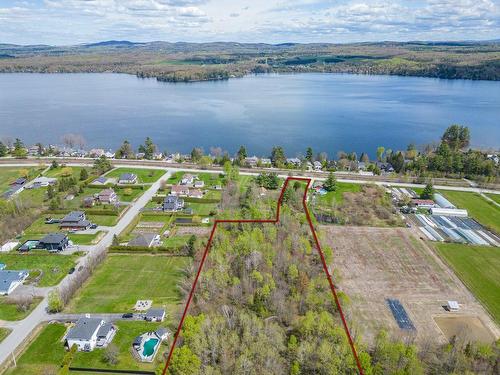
(149, 347)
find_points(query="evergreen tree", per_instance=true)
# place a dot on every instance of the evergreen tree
(330, 183)
(309, 154)
(428, 192)
(278, 157)
(84, 174)
(242, 153)
(3, 150)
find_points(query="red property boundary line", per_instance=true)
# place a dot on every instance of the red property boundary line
(273, 221)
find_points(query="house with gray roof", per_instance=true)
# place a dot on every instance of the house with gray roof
(155, 315)
(127, 178)
(89, 333)
(10, 280)
(54, 242)
(75, 220)
(173, 203)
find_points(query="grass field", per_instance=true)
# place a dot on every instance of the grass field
(495, 197)
(123, 279)
(479, 208)
(337, 196)
(53, 266)
(479, 268)
(210, 179)
(73, 172)
(4, 332)
(143, 175)
(202, 209)
(9, 311)
(44, 355)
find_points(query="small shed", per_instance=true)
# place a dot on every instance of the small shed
(453, 306)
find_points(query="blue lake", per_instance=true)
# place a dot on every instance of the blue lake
(329, 112)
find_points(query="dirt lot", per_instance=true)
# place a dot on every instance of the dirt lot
(373, 264)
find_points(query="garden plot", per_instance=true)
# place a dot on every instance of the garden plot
(148, 227)
(372, 265)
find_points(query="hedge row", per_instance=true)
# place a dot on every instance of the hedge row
(144, 249)
(116, 186)
(160, 198)
(87, 212)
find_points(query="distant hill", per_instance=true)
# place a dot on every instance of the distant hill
(113, 43)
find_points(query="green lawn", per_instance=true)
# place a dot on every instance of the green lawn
(9, 311)
(479, 268)
(4, 332)
(85, 239)
(337, 196)
(495, 197)
(210, 179)
(479, 208)
(53, 266)
(75, 172)
(176, 241)
(143, 175)
(44, 355)
(201, 209)
(123, 279)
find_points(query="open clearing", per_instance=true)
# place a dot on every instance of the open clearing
(479, 268)
(144, 176)
(468, 327)
(123, 279)
(373, 264)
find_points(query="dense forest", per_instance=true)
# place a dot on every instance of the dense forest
(263, 306)
(175, 62)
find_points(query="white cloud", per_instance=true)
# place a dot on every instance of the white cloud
(30, 21)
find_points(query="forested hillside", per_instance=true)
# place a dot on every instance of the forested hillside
(213, 61)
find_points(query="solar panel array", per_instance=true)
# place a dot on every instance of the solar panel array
(400, 315)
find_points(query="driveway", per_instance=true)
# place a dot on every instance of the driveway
(23, 328)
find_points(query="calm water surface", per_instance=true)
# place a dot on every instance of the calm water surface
(329, 112)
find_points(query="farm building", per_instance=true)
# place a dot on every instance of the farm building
(448, 212)
(442, 201)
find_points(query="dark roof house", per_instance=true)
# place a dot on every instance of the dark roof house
(54, 241)
(75, 220)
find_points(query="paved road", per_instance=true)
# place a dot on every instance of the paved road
(292, 173)
(22, 329)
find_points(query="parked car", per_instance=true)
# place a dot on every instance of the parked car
(71, 270)
(127, 316)
(93, 226)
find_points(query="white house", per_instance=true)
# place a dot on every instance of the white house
(10, 280)
(188, 179)
(89, 333)
(155, 315)
(127, 178)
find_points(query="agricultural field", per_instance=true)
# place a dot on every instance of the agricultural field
(47, 351)
(123, 279)
(144, 176)
(486, 213)
(49, 268)
(495, 197)
(354, 204)
(479, 269)
(375, 264)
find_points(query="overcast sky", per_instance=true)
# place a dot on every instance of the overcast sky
(273, 21)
